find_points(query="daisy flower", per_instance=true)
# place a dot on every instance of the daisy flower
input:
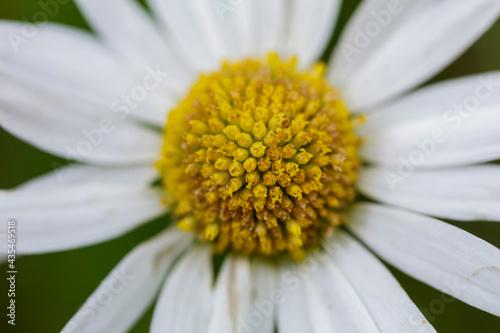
(218, 112)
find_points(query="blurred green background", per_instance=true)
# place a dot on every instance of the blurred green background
(51, 287)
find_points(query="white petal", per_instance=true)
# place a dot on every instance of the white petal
(334, 305)
(439, 254)
(130, 288)
(384, 298)
(271, 25)
(75, 131)
(232, 296)
(185, 302)
(57, 55)
(73, 65)
(79, 206)
(235, 26)
(293, 313)
(261, 316)
(131, 32)
(311, 25)
(80, 175)
(190, 24)
(467, 193)
(446, 124)
(439, 97)
(404, 43)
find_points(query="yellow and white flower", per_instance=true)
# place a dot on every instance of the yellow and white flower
(259, 159)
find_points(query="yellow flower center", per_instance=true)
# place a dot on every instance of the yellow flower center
(260, 158)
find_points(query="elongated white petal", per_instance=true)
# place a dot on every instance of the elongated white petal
(130, 288)
(80, 175)
(334, 305)
(234, 24)
(438, 98)
(75, 131)
(55, 55)
(131, 32)
(389, 306)
(265, 298)
(439, 254)
(318, 312)
(446, 124)
(80, 205)
(390, 47)
(232, 296)
(311, 25)
(191, 25)
(293, 314)
(185, 303)
(271, 26)
(73, 65)
(467, 193)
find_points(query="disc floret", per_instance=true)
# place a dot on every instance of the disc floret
(260, 158)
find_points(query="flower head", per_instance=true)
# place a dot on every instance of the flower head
(260, 158)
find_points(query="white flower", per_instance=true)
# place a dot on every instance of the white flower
(96, 99)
